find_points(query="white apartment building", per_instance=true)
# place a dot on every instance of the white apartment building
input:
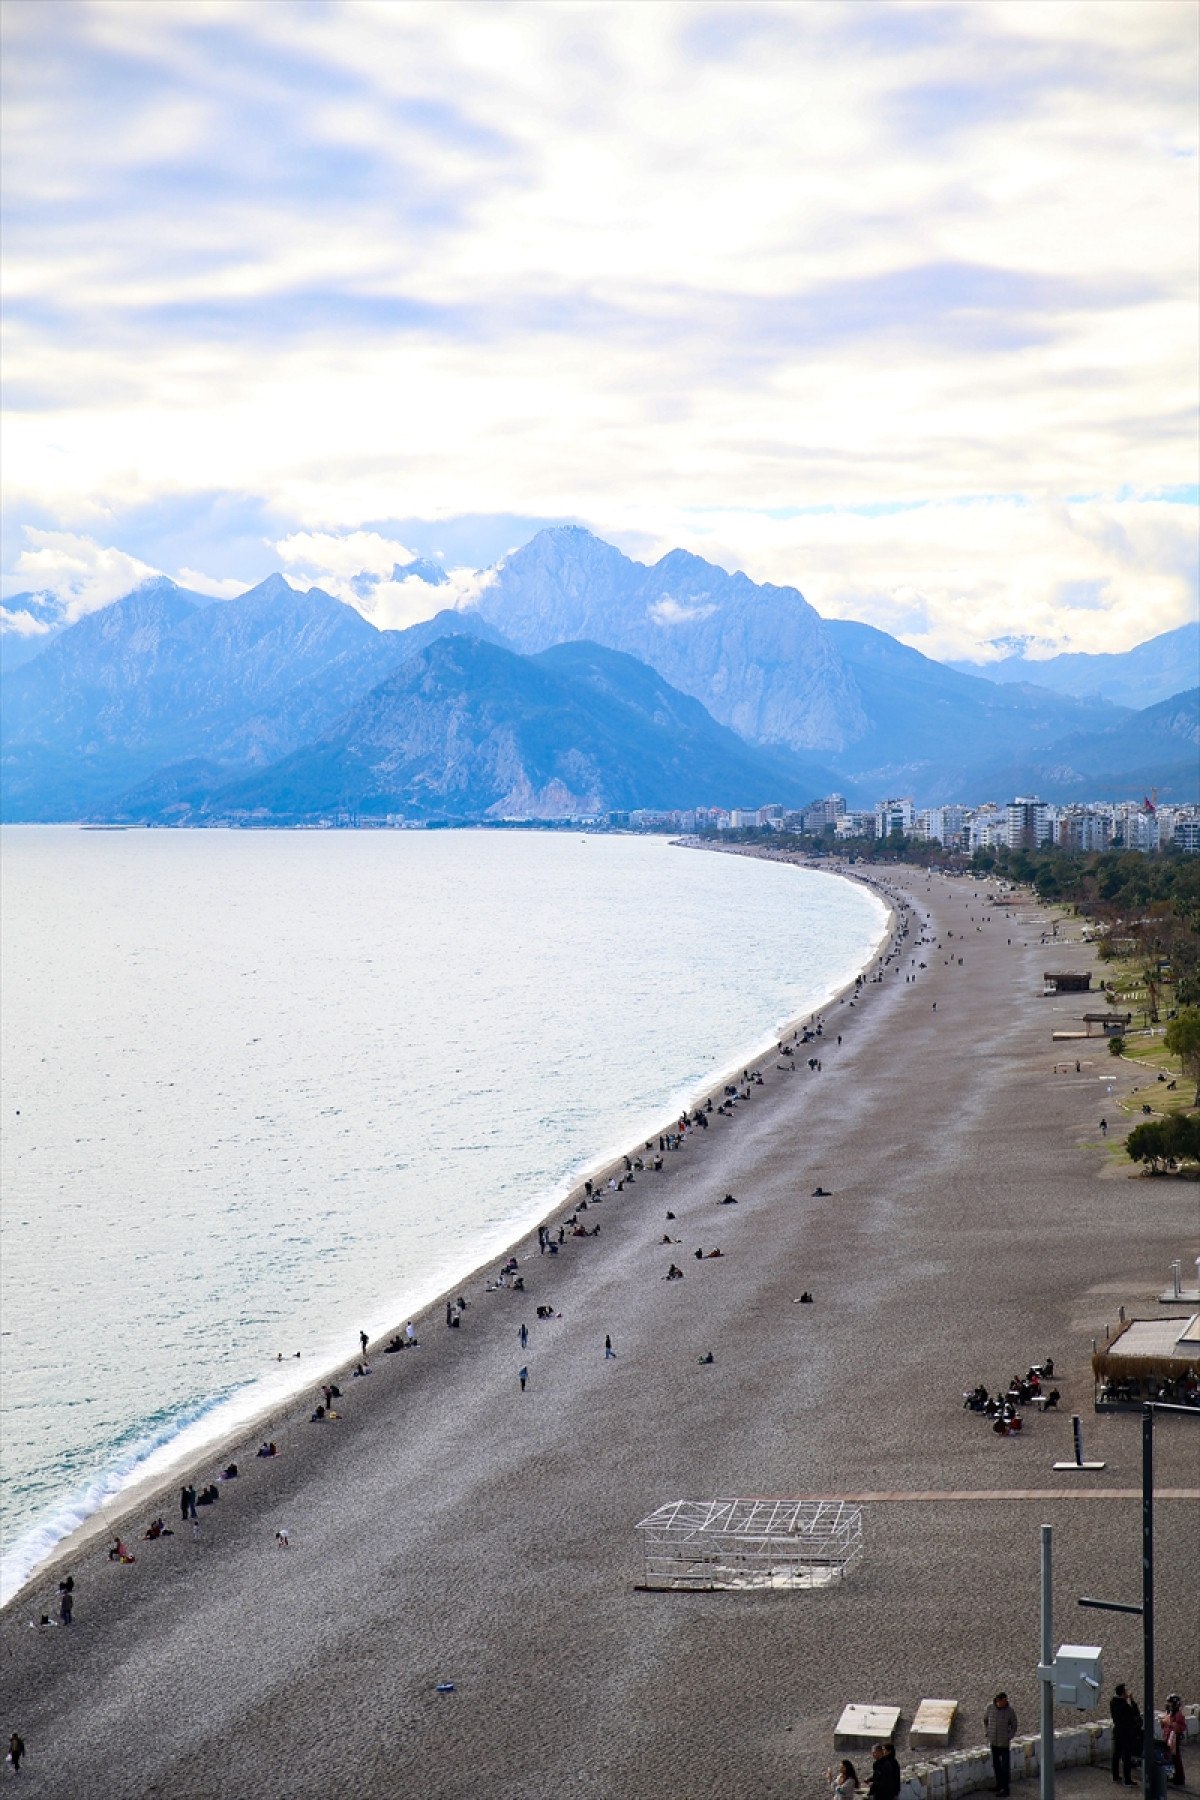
(894, 815)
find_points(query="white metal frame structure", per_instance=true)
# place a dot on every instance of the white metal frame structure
(706, 1544)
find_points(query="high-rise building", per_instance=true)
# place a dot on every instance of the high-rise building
(1027, 823)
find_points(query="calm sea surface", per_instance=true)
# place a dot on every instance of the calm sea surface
(263, 1089)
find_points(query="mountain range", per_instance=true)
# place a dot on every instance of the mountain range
(582, 681)
(1140, 677)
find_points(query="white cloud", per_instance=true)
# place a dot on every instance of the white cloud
(83, 574)
(221, 587)
(950, 577)
(358, 567)
(22, 624)
(666, 268)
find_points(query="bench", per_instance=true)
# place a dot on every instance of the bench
(933, 1722)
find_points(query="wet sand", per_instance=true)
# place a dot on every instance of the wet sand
(450, 1528)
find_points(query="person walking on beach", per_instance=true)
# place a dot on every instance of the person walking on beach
(522, 1376)
(1000, 1725)
(16, 1750)
(66, 1600)
(364, 1340)
(608, 1349)
(523, 1334)
(188, 1498)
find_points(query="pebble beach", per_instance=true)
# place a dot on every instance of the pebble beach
(458, 1608)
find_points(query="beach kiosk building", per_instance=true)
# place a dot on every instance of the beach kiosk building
(1149, 1359)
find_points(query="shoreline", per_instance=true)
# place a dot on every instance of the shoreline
(459, 1609)
(155, 1489)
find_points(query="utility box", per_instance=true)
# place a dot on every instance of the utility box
(1078, 1676)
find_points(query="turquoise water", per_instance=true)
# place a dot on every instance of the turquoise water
(261, 1089)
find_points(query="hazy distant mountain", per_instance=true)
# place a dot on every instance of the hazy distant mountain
(49, 616)
(465, 728)
(930, 729)
(28, 622)
(164, 698)
(1153, 671)
(758, 657)
(1158, 748)
(155, 679)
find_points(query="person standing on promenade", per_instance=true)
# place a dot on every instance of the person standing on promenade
(522, 1376)
(885, 1773)
(1000, 1724)
(1126, 1733)
(1174, 1729)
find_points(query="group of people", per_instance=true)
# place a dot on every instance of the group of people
(882, 1784)
(1003, 1409)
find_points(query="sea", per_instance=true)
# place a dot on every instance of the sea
(261, 1090)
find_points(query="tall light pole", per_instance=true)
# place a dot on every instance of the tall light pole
(1046, 1753)
(1150, 1781)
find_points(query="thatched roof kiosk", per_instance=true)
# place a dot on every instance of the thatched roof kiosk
(1149, 1359)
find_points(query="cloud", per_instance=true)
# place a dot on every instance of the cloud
(82, 574)
(660, 268)
(951, 578)
(221, 587)
(370, 572)
(674, 612)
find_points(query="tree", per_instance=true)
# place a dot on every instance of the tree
(1116, 1046)
(1164, 1143)
(1182, 1039)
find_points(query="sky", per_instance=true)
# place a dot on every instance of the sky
(895, 303)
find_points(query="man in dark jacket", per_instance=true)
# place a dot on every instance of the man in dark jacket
(885, 1773)
(1126, 1733)
(1000, 1724)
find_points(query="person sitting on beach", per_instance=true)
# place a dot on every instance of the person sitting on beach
(230, 1472)
(267, 1449)
(119, 1553)
(806, 1298)
(711, 1254)
(697, 1254)
(729, 1200)
(156, 1529)
(317, 1416)
(362, 1369)
(674, 1274)
(706, 1359)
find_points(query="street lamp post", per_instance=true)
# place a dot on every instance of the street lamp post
(1150, 1773)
